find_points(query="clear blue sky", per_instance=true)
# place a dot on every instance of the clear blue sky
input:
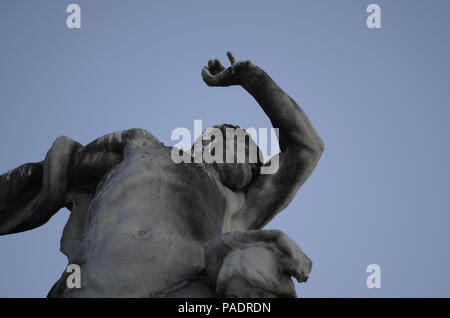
(379, 98)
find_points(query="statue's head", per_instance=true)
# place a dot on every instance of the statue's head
(232, 152)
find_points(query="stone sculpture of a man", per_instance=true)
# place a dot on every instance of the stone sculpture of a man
(140, 222)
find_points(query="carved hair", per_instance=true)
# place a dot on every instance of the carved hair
(235, 175)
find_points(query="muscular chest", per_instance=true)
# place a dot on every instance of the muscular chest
(148, 187)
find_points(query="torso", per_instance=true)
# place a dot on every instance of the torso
(147, 225)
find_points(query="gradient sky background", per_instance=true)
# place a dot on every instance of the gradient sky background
(379, 98)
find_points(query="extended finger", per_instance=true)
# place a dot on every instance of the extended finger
(231, 58)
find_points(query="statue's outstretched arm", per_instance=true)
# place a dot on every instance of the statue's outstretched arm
(32, 193)
(300, 145)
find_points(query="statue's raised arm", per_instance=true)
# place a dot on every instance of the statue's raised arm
(300, 145)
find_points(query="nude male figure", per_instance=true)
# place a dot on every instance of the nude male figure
(139, 222)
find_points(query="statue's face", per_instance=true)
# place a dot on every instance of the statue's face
(231, 152)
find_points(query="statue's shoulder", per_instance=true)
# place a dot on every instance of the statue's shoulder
(138, 135)
(135, 136)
